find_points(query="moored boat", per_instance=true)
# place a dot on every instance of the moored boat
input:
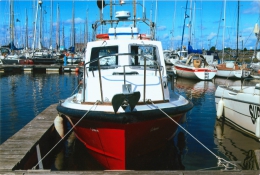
(232, 70)
(124, 108)
(240, 105)
(195, 67)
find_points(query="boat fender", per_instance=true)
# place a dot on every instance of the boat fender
(58, 124)
(257, 129)
(219, 132)
(220, 108)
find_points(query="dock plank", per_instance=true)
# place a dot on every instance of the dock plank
(14, 149)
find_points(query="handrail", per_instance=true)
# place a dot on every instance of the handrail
(113, 66)
(247, 79)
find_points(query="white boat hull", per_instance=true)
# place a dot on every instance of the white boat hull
(241, 108)
(233, 73)
(195, 73)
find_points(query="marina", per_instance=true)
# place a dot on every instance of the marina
(121, 100)
(22, 127)
(39, 68)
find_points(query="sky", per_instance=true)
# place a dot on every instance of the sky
(207, 23)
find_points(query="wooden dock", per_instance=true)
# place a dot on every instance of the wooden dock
(22, 145)
(54, 68)
(20, 152)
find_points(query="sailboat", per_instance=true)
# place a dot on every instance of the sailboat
(8, 54)
(231, 69)
(195, 65)
(41, 55)
(72, 57)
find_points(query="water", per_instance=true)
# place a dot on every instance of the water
(24, 96)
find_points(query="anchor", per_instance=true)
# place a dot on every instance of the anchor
(126, 99)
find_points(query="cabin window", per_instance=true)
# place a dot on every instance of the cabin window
(150, 52)
(108, 60)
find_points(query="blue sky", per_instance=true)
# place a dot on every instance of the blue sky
(205, 17)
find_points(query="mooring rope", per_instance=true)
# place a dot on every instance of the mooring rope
(65, 135)
(220, 163)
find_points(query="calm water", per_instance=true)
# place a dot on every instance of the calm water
(23, 96)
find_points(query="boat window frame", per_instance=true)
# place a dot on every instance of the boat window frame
(154, 51)
(95, 54)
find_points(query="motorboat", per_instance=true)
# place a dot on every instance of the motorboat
(195, 67)
(240, 105)
(124, 108)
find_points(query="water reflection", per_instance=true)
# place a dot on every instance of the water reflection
(24, 96)
(235, 145)
(75, 156)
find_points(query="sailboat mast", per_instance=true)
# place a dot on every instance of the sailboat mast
(238, 4)
(184, 23)
(26, 30)
(224, 28)
(86, 30)
(73, 27)
(40, 32)
(51, 25)
(35, 25)
(12, 23)
(58, 29)
(190, 23)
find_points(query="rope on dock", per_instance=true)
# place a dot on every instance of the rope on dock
(33, 168)
(221, 162)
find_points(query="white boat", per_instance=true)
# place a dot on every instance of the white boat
(232, 70)
(125, 108)
(170, 58)
(195, 67)
(73, 58)
(240, 105)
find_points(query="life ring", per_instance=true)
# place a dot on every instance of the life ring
(144, 37)
(81, 63)
(102, 36)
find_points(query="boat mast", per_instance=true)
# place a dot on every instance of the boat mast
(40, 32)
(35, 25)
(223, 35)
(238, 3)
(86, 31)
(26, 30)
(12, 23)
(186, 16)
(51, 26)
(73, 27)
(191, 22)
(62, 38)
(58, 29)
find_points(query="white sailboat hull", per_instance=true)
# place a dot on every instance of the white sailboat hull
(241, 108)
(233, 73)
(195, 73)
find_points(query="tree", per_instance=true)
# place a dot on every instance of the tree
(213, 48)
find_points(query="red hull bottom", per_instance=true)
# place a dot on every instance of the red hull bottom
(117, 146)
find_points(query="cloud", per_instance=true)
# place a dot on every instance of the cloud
(255, 6)
(211, 35)
(79, 20)
(76, 20)
(165, 36)
(161, 28)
